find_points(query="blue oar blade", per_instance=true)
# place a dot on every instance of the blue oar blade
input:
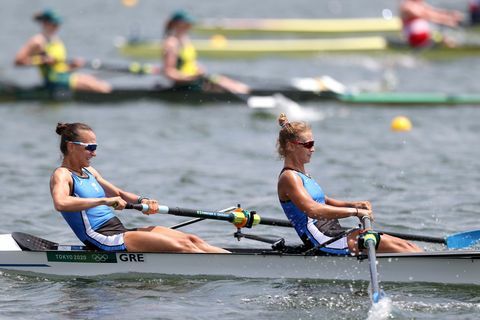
(463, 239)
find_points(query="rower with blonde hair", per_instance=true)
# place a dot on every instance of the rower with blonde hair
(314, 215)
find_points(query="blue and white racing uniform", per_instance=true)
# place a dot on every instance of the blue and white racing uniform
(315, 232)
(86, 223)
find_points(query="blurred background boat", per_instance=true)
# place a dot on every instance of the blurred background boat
(219, 47)
(304, 27)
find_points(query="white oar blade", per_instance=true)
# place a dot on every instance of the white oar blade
(278, 100)
(323, 83)
(258, 102)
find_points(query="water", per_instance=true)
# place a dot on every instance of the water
(212, 157)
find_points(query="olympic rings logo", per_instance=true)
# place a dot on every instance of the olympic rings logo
(100, 257)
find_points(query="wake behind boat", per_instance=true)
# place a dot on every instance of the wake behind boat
(27, 254)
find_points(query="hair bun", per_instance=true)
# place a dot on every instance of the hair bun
(282, 120)
(61, 127)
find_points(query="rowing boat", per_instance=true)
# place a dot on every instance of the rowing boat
(298, 26)
(254, 48)
(13, 93)
(307, 27)
(27, 254)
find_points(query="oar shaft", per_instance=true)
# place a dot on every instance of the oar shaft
(214, 215)
(275, 222)
(233, 217)
(372, 259)
(414, 237)
(133, 67)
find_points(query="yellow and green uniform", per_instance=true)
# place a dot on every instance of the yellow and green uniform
(187, 65)
(187, 60)
(57, 75)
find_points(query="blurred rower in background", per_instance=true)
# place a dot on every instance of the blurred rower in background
(474, 10)
(180, 60)
(416, 17)
(47, 51)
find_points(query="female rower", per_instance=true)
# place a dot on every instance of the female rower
(47, 51)
(416, 16)
(313, 214)
(180, 60)
(84, 198)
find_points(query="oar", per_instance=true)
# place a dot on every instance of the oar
(135, 68)
(370, 241)
(195, 220)
(459, 240)
(240, 218)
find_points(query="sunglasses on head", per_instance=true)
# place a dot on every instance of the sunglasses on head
(88, 146)
(308, 144)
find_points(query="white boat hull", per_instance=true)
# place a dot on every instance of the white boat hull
(458, 267)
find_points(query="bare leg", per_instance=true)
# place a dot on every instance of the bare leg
(161, 239)
(388, 244)
(198, 242)
(231, 85)
(394, 244)
(86, 82)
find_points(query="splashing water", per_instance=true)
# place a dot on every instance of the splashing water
(380, 310)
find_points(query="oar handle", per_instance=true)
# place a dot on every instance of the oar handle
(137, 206)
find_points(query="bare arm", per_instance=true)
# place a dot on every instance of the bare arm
(290, 187)
(31, 53)
(113, 191)
(424, 11)
(60, 185)
(351, 204)
(449, 18)
(170, 55)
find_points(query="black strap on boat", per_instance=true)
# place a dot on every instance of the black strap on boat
(278, 245)
(316, 249)
(31, 243)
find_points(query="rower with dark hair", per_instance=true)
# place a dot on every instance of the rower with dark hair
(47, 51)
(84, 198)
(313, 214)
(180, 60)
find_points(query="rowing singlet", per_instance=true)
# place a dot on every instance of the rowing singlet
(314, 232)
(85, 223)
(187, 60)
(418, 32)
(56, 75)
